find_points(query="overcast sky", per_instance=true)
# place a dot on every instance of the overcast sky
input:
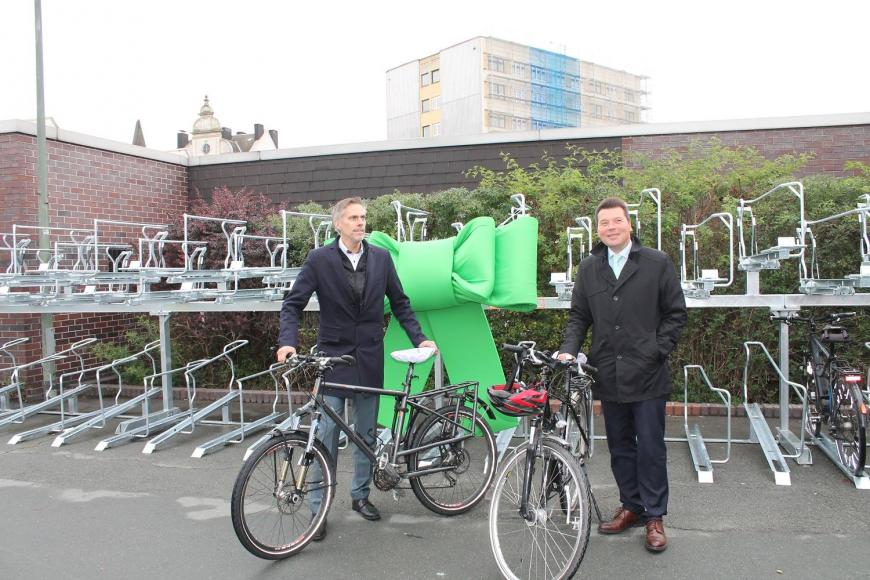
(315, 71)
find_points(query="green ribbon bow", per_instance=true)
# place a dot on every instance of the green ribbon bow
(448, 282)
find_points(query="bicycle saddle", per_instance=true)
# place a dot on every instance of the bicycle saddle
(413, 355)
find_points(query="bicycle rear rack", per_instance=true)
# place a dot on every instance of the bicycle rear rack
(697, 447)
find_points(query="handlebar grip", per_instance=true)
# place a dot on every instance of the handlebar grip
(589, 369)
(345, 360)
(842, 315)
(513, 348)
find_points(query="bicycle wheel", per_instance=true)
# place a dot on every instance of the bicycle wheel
(273, 519)
(813, 424)
(470, 463)
(554, 543)
(848, 430)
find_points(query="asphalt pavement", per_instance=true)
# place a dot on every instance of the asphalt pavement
(73, 512)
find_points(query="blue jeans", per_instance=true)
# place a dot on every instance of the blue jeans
(365, 413)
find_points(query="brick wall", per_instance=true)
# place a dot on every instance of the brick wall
(84, 183)
(831, 146)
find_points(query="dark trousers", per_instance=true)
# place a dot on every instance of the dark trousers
(638, 456)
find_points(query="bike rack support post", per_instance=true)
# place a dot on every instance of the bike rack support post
(634, 211)
(702, 283)
(697, 447)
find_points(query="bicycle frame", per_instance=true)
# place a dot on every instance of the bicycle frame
(462, 392)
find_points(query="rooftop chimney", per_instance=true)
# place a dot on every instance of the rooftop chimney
(181, 140)
(226, 133)
(274, 135)
(258, 131)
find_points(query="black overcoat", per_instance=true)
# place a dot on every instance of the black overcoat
(345, 326)
(636, 322)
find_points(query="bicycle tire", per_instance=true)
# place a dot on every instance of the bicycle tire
(523, 550)
(465, 456)
(257, 511)
(850, 432)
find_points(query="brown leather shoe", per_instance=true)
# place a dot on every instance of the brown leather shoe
(622, 520)
(656, 540)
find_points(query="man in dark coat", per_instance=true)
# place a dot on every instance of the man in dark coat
(631, 297)
(351, 278)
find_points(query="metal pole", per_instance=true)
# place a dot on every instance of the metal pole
(46, 321)
(783, 386)
(165, 359)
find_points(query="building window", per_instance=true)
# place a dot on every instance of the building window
(496, 121)
(426, 130)
(424, 79)
(436, 129)
(538, 74)
(631, 116)
(520, 124)
(597, 110)
(519, 94)
(436, 75)
(496, 90)
(629, 96)
(425, 105)
(435, 102)
(496, 64)
(519, 70)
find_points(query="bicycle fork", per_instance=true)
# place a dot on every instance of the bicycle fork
(526, 510)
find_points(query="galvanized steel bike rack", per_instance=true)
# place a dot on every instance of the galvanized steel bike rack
(697, 447)
(702, 281)
(760, 431)
(408, 221)
(66, 427)
(580, 236)
(811, 281)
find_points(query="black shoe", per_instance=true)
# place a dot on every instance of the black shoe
(320, 533)
(365, 509)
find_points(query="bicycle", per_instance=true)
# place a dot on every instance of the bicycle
(447, 454)
(539, 518)
(835, 397)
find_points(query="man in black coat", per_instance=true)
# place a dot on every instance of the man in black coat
(631, 297)
(351, 278)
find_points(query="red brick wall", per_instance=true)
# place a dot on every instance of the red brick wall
(831, 146)
(83, 184)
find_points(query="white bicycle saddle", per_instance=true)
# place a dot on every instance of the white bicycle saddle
(413, 355)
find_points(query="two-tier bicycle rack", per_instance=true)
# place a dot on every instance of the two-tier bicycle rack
(90, 270)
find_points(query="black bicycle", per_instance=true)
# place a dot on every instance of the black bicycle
(834, 388)
(539, 518)
(447, 454)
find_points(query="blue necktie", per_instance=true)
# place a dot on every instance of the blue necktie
(616, 261)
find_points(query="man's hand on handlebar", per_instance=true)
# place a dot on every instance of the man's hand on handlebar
(284, 352)
(564, 356)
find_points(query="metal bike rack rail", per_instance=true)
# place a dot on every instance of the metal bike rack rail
(9, 416)
(192, 416)
(634, 212)
(811, 281)
(760, 431)
(416, 219)
(752, 259)
(697, 447)
(702, 282)
(580, 236)
(264, 422)
(93, 418)
(518, 208)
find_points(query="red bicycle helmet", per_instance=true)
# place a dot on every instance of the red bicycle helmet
(516, 400)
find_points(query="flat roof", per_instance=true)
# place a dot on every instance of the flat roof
(565, 134)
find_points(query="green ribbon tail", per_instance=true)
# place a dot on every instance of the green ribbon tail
(465, 341)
